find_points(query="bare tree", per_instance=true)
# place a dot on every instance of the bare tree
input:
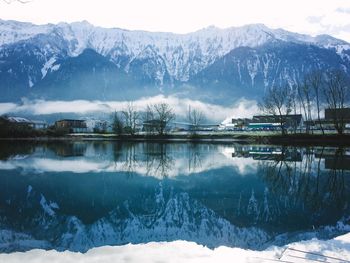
(131, 118)
(316, 82)
(336, 92)
(295, 104)
(163, 115)
(278, 102)
(304, 94)
(117, 123)
(195, 118)
(148, 118)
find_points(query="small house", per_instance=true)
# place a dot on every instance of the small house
(72, 126)
(23, 122)
(95, 125)
(38, 125)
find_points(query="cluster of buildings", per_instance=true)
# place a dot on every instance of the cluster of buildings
(290, 121)
(256, 123)
(264, 122)
(23, 122)
(70, 125)
(333, 159)
(83, 126)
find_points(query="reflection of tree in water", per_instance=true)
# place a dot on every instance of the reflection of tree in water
(336, 181)
(100, 147)
(151, 157)
(279, 172)
(195, 157)
(306, 184)
(68, 148)
(61, 148)
(158, 161)
(9, 149)
(125, 154)
(117, 151)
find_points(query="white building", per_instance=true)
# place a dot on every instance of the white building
(95, 125)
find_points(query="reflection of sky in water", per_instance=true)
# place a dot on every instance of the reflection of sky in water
(183, 161)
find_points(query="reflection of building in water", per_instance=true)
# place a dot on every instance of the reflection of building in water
(70, 149)
(338, 162)
(268, 153)
(335, 158)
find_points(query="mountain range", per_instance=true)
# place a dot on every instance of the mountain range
(80, 61)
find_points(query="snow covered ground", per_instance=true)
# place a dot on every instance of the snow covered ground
(336, 250)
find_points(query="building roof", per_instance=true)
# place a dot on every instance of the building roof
(18, 120)
(276, 118)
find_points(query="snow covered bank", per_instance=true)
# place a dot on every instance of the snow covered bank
(182, 251)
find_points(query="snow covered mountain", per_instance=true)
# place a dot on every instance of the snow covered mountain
(157, 62)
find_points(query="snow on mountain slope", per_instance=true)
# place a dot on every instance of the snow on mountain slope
(179, 216)
(13, 31)
(173, 217)
(184, 55)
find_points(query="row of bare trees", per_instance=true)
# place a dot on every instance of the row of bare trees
(154, 119)
(317, 91)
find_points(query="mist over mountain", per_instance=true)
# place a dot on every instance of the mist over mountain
(80, 61)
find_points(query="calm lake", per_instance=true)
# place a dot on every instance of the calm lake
(80, 195)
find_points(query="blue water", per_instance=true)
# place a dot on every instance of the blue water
(79, 195)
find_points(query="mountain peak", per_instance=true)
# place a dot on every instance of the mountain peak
(159, 56)
(256, 26)
(83, 23)
(211, 28)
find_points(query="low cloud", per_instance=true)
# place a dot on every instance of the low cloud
(334, 22)
(181, 164)
(314, 19)
(7, 107)
(242, 108)
(345, 10)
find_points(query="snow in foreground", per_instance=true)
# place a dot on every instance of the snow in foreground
(182, 251)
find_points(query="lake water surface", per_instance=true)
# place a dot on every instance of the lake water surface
(80, 195)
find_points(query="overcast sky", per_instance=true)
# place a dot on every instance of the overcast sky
(182, 16)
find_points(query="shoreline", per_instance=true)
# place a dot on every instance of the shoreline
(272, 139)
(179, 250)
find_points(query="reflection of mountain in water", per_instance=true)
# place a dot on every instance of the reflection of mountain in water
(165, 217)
(102, 193)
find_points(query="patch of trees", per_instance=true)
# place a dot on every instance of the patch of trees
(318, 91)
(154, 119)
(195, 119)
